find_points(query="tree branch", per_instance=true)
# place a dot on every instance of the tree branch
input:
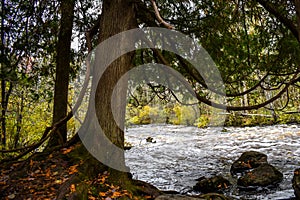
(284, 20)
(206, 101)
(159, 18)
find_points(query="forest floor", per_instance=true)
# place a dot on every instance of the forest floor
(54, 176)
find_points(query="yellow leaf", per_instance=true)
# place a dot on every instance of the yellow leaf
(58, 181)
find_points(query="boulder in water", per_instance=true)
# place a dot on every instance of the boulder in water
(296, 183)
(210, 196)
(150, 139)
(264, 175)
(247, 161)
(176, 197)
(213, 184)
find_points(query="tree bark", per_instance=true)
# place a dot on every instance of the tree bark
(62, 71)
(117, 16)
(297, 6)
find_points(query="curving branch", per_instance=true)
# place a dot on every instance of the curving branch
(252, 107)
(284, 20)
(195, 75)
(285, 105)
(159, 18)
(206, 101)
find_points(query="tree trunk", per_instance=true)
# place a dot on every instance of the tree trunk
(5, 94)
(117, 16)
(62, 71)
(19, 118)
(297, 5)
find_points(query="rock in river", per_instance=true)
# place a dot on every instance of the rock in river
(264, 175)
(213, 184)
(210, 196)
(247, 161)
(176, 197)
(296, 183)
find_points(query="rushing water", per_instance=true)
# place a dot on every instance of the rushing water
(182, 154)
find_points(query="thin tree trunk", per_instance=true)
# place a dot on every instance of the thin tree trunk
(62, 71)
(297, 5)
(5, 94)
(19, 121)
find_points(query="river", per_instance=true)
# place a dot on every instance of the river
(182, 154)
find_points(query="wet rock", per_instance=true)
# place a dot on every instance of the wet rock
(214, 196)
(213, 184)
(210, 196)
(296, 183)
(176, 197)
(264, 175)
(150, 139)
(248, 160)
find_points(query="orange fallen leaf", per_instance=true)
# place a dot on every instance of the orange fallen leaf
(72, 188)
(66, 151)
(116, 194)
(31, 163)
(102, 194)
(73, 169)
(48, 172)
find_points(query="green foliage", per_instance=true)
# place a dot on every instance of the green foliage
(286, 118)
(28, 114)
(171, 113)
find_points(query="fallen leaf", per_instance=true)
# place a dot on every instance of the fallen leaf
(72, 188)
(73, 169)
(66, 151)
(102, 194)
(116, 194)
(58, 181)
(31, 163)
(11, 196)
(48, 172)
(2, 183)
